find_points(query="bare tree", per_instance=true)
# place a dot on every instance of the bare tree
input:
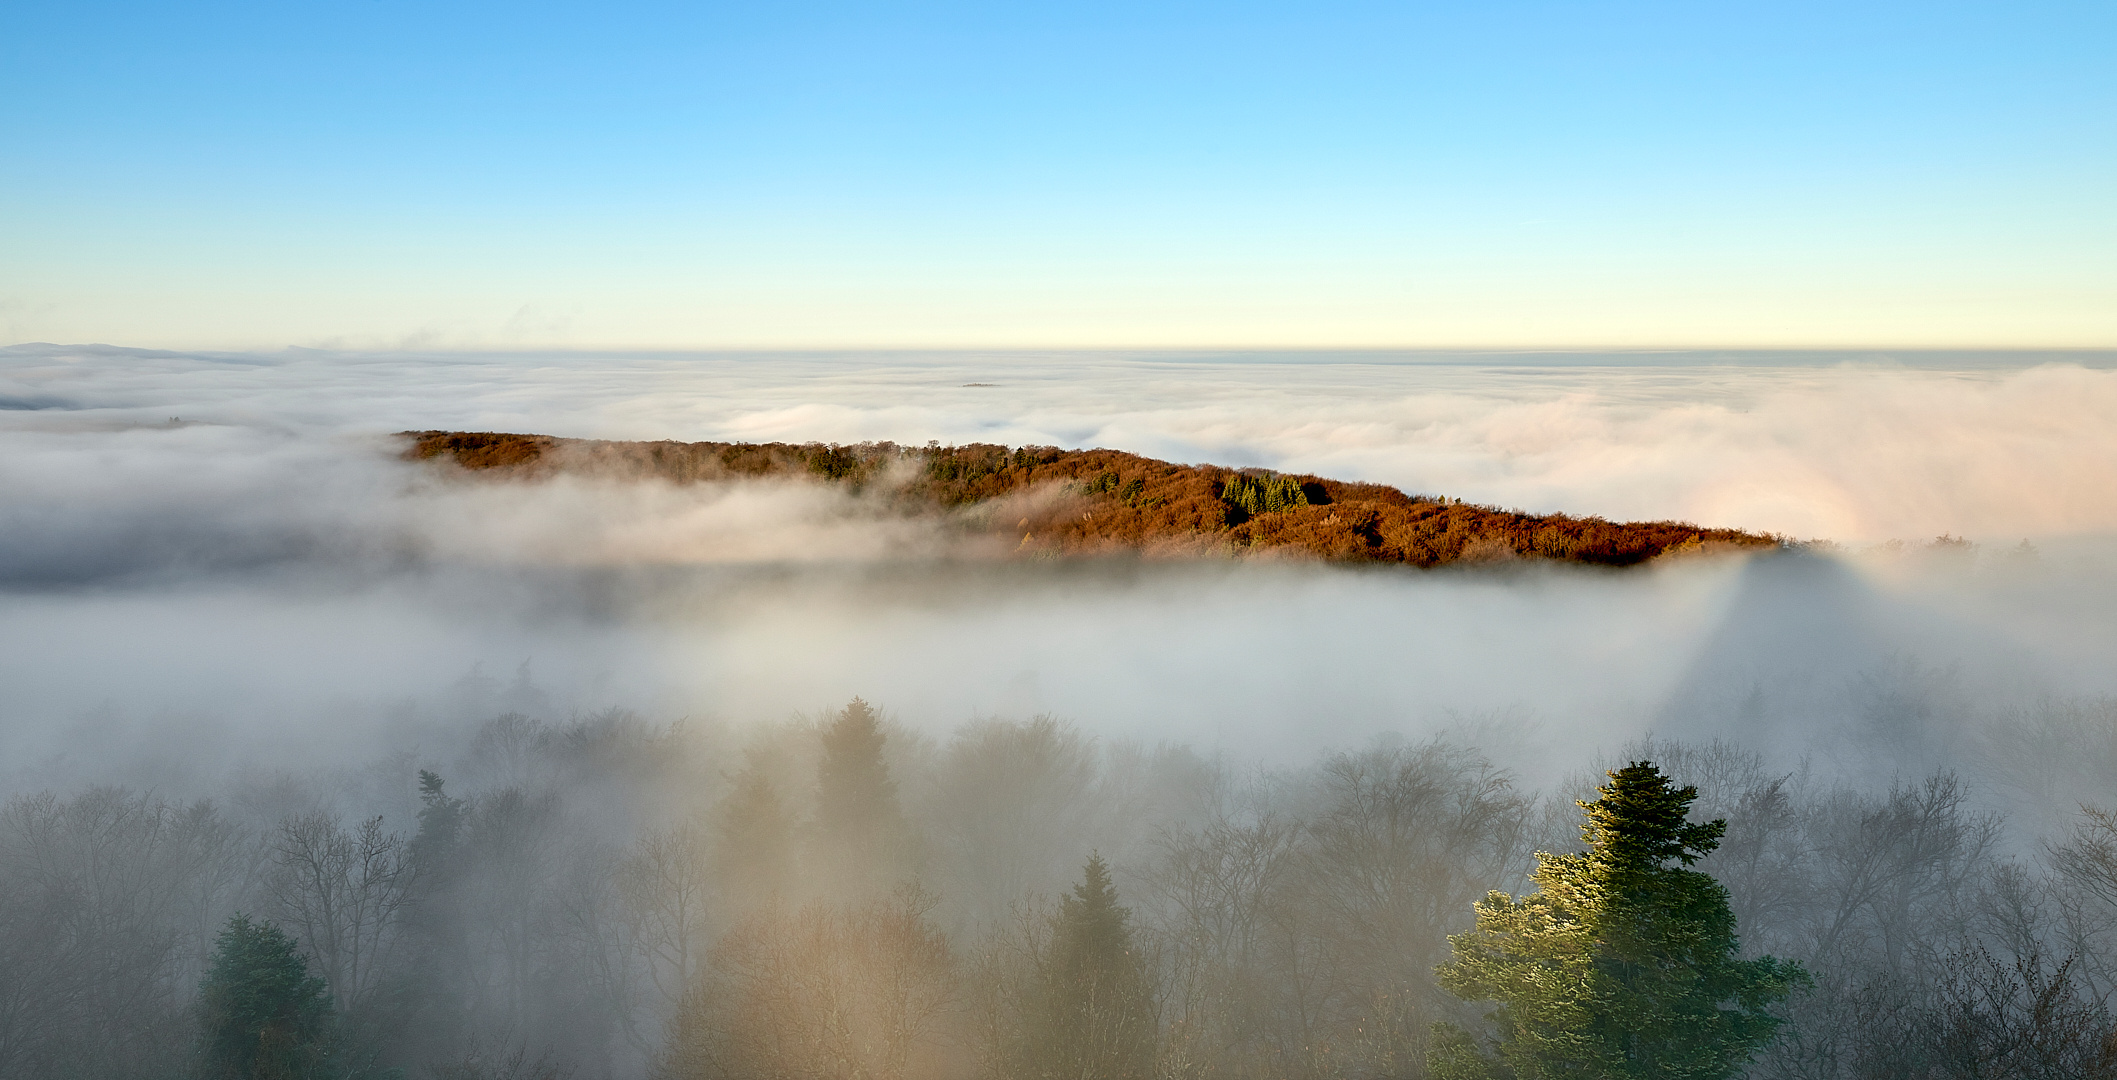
(1978, 1016)
(1301, 930)
(343, 894)
(101, 901)
(666, 883)
(512, 856)
(1893, 870)
(1223, 888)
(2085, 865)
(1410, 837)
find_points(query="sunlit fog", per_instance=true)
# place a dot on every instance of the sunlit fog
(594, 777)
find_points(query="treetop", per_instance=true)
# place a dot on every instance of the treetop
(1642, 821)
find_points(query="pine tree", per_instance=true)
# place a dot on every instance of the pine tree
(1249, 495)
(440, 822)
(265, 1017)
(432, 994)
(1619, 965)
(1092, 1018)
(864, 840)
(755, 840)
(853, 779)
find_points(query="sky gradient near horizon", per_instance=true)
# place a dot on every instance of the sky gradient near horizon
(383, 174)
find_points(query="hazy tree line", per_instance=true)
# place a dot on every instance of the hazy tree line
(840, 897)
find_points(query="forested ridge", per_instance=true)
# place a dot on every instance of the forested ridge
(1043, 500)
(840, 898)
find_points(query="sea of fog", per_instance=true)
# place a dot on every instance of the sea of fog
(209, 561)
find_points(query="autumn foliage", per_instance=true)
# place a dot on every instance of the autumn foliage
(1048, 501)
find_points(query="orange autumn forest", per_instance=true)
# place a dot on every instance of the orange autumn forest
(1041, 500)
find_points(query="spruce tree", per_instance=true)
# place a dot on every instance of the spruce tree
(432, 992)
(1620, 965)
(264, 1016)
(1092, 1018)
(853, 779)
(755, 840)
(440, 823)
(864, 840)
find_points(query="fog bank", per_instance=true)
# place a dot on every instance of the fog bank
(579, 777)
(224, 552)
(1853, 447)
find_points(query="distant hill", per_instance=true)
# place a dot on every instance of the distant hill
(1043, 500)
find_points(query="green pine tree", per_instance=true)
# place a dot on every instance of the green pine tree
(265, 1017)
(1249, 495)
(1092, 1018)
(1620, 965)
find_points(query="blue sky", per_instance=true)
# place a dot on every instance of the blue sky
(373, 173)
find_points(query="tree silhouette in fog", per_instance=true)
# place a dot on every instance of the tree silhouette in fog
(440, 824)
(863, 841)
(1092, 1015)
(431, 1013)
(265, 1016)
(1619, 965)
(755, 832)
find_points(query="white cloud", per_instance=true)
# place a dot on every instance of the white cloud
(266, 576)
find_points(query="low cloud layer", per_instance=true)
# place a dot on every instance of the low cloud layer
(1856, 448)
(227, 547)
(220, 581)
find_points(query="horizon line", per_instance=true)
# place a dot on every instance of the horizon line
(782, 348)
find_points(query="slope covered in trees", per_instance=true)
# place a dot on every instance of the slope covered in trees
(582, 906)
(1043, 500)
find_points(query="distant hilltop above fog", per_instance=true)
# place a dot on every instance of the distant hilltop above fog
(1040, 500)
